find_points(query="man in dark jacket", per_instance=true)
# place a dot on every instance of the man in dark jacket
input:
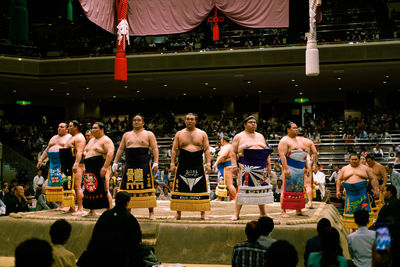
(116, 238)
(391, 210)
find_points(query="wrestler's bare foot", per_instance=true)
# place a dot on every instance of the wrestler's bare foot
(152, 217)
(203, 216)
(300, 213)
(284, 215)
(90, 213)
(69, 210)
(177, 216)
(77, 213)
(309, 206)
(235, 218)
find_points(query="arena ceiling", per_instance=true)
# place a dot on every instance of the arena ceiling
(277, 82)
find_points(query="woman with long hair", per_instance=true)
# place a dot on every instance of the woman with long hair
(329, 254)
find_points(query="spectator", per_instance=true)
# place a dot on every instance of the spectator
(314, 243)
(117, 187)
(394, 149)
(249, 253)
(166, 195)
(60, 231)
(16, 202)
(394, 177)
(2, 208)
(334, 175)
(390, 256)
(360, 242)
(4, 190)
(38, 180)
(281, 254)
(319, 180)
(396, 162)
(391, 209)
(328, 256)
(42, 203)
(266, 226)
(378, 152)
(278, 190)
(117, 232)
(33, 253)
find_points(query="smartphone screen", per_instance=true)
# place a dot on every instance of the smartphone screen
(382, 237)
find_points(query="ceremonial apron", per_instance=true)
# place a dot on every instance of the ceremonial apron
(356, 197)
(190, 190)
(254, 185)
(54, 189)
(138, 178)
(95, 194)
(221, 187)
(293, 192)
(67, 159)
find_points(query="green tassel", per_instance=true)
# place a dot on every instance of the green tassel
(70, 11)
(19, 28)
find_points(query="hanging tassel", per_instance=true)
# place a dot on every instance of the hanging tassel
(18, 30)
(70, 11)
(120, 65)
(215, 32)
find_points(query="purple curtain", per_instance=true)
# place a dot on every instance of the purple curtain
(157, 17)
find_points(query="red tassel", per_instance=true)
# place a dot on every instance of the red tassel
(120, 67)
(215, 32)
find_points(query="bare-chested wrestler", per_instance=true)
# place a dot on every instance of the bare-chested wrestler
(98, 156)
(52, 151)
(224, 167)
(354, 178)
(379, 171)
(308, 175)
(138, 179)
(190, 189)
(293, 154)
(254, 166)
(76, 145)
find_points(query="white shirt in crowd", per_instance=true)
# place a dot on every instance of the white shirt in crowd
(37, 180)
(319, 178)
(360, 246)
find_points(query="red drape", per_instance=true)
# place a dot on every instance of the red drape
(158, 17)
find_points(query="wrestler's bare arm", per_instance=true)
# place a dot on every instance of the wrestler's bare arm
(121, 148)
(339, 182)
(314, 152)
(174, 152)
(374, 180)
(206, 150)
(282, 150)
(109, 149)
(44, 154)
(154, 148)
(384, 175)
(234, 150)
(80, 144)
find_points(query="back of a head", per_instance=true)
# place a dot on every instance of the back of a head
(281, 254)
(322, 224)
(60, 231)
(392, 189)
(266, 225)
(33, 253)
(361, 217)
(121, 199)
(252, 231)
(330, 242)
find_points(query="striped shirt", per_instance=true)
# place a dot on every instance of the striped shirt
(248, 254)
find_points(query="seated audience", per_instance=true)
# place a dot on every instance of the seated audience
(266, 226)
(16, 202)
(42, 203)
(4, 190)
(328, 256)
(33, 253)
(117, 232)
(60, 231)
(281, 254)
(394, 177)
(360, 242)
(314, 243)
(166, 195)
(249, 253)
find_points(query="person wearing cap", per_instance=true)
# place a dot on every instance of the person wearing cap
(138, 175)
(378, 170)
(223, 165)
(394, 177)
(254, 167)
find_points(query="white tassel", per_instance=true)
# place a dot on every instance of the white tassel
(123, 30)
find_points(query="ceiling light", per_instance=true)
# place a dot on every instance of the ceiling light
(52, 89)
(87, 88)
(206, 83)
(126, 86)
(387, 76)
(138, 91)
(14, 91)
(296, 85)
(339, 78)
(259, 91)
(293, 81)
(248, 81)
(114, 96)
(301, 93)
(165, 85)
(67, 93)
(340, 88)
(184, 93)
(19, 59)
(384, 82)
(214, 88)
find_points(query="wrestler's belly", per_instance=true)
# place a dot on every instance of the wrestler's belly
(247, 146)
(55, 148)
(92, 154)
(191, 148)
(137, 146)
(354, 179)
